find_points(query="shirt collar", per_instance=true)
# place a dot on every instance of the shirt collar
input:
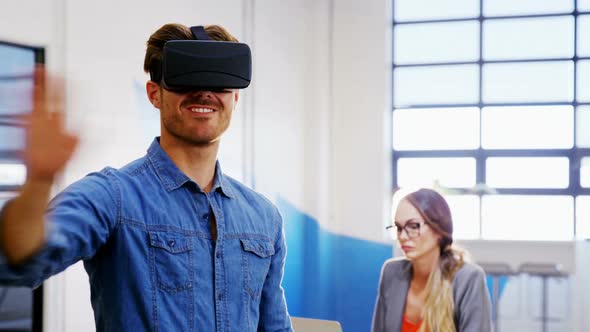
(221, 182)
(172, 178)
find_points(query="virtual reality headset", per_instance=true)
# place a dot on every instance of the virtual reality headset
(203, 64)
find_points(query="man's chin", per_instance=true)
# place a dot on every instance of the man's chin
(202, 140)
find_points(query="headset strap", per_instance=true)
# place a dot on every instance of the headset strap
(199, 33)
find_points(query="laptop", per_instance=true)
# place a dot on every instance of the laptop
(314, 325)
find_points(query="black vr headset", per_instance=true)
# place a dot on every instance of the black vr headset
(203, 64)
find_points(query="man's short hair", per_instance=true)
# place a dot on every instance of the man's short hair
(174, 31)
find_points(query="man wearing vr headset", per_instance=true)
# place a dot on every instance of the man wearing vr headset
(169, 242)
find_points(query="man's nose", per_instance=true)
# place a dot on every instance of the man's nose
(204, 93)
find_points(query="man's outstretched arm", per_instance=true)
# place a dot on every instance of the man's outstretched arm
(48, 149)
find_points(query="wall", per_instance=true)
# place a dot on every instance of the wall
(361, 117)
(337, 243)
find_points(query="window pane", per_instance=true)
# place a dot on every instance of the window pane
(511, 7)
(583, 88)
(532, 38)
(584, 5)
(429, 42)
(429, 172)
(512, 217)
(12, 174)
(16, 61)
(12, 138)
(465, 212)
(528, 82)
(16, 70)
(584, 35)
(527, 127)
(583, 217)
(435, 85)
(585, 172)
(16, 96)
(583, 127)
(413, 10)
(436, 128)
(527, 172)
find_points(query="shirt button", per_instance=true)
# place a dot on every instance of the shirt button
(171, 243)
(220, 297)
(218, 254)
(206, 216)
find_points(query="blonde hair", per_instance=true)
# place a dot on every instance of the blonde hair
(438, 312)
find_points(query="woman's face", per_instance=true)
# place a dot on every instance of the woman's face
(415, 237)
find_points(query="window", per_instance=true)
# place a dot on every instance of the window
(491, 104)
(20, 308)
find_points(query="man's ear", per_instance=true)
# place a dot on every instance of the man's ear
(237, 96)
(153, 92)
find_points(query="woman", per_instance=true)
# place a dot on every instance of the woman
(433, 288)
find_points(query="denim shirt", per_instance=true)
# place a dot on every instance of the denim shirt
(144, 234)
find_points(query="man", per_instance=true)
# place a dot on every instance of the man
(169, 242)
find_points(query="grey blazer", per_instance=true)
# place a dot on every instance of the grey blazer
(470, 295)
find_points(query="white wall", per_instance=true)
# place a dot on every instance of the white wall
(279, 97)
(361, 118)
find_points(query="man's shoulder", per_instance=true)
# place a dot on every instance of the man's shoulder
(244, 192)
(110, 176)
(134, 167)
(130, 170)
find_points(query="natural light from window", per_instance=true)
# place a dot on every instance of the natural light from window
(491, 106)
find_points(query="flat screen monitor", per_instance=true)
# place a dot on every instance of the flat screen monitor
(20, 307)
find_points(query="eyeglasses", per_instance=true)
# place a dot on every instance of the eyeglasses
(411, 228)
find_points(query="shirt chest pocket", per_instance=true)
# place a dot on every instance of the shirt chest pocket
(171, 260)
(256, 257)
